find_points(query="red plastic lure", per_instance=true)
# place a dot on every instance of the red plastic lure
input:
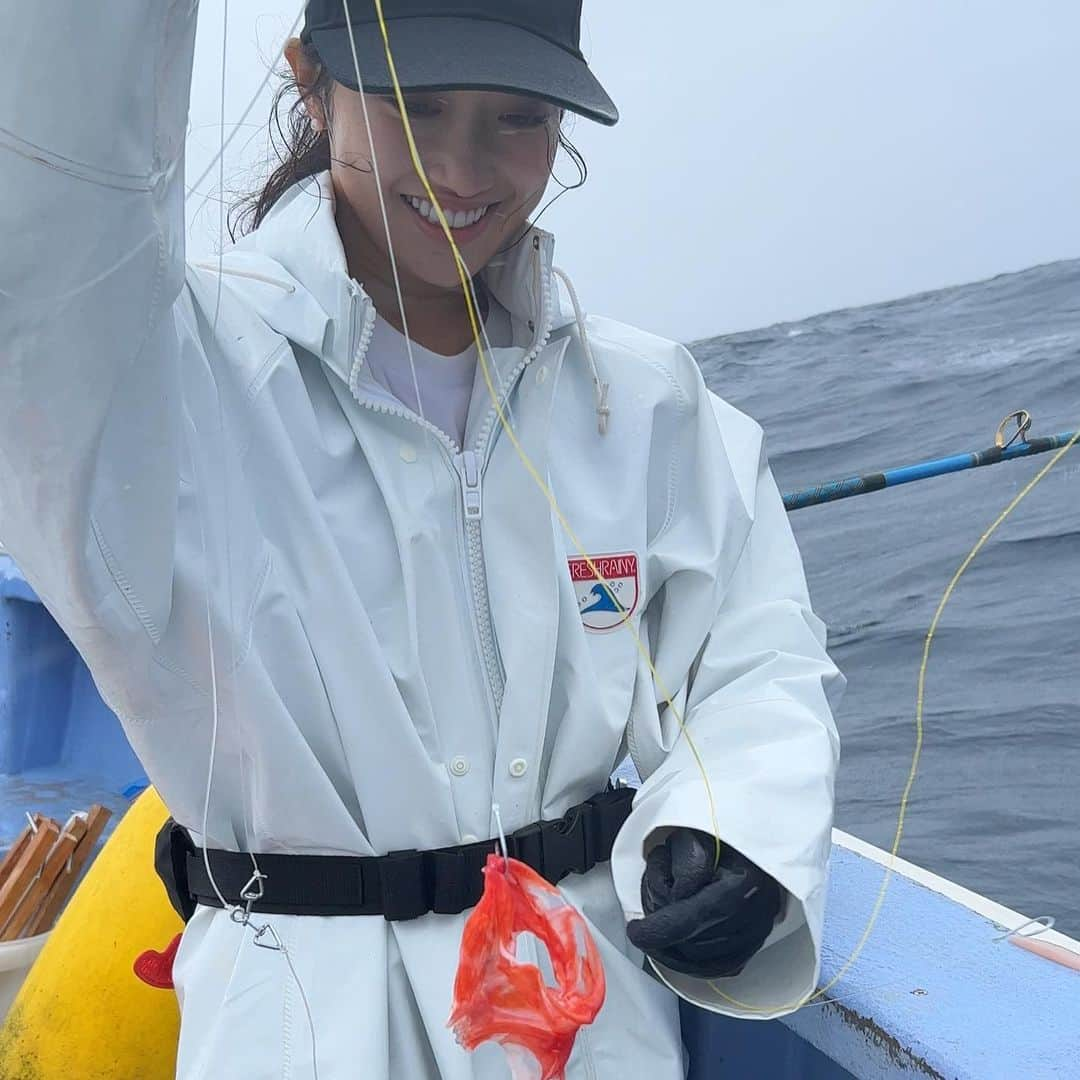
(498, 998)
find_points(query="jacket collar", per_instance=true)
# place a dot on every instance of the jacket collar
(293, 272)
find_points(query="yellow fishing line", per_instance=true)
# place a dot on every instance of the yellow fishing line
(919, 699)
(526, 461)
(530, 468)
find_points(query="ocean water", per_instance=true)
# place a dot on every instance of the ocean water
(996, 802)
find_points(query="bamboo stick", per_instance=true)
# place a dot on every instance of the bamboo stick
(57, 895)
(27, 907)
(27, 868)
(13, 853)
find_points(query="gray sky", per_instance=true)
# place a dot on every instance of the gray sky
(775, 158)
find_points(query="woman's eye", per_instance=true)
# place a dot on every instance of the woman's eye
(420, 109)
(526, 120)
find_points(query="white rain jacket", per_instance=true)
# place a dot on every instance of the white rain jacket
(399, 638)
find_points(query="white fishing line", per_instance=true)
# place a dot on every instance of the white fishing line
(253, 890)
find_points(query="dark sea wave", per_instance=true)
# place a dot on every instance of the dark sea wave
(996, 805)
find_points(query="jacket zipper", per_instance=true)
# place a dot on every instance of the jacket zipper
(471, 471)
(483, 638)
(469, 466)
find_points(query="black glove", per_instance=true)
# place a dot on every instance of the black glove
(699, 921)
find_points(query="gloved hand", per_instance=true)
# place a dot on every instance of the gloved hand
(699, 921)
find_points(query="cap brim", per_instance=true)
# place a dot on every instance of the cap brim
(446, 53)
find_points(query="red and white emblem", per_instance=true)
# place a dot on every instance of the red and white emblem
(608, 604)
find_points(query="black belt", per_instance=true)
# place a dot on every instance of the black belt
(399, 885)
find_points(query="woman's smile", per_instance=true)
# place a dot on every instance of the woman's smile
(465, 225)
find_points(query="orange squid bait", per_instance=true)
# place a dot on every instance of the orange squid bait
(497, 997)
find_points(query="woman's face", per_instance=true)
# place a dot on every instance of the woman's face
(487, 156)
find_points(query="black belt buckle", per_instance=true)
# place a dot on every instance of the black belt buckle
(564, 844)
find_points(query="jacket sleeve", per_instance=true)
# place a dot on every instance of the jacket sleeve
(93, 116)
(742, 655)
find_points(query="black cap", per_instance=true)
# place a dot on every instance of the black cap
(517, 46)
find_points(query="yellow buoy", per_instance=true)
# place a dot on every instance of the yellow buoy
(82, 1014)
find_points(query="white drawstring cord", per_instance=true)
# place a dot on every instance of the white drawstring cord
(603, 411)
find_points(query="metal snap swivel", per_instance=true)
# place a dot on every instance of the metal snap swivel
(250, 893)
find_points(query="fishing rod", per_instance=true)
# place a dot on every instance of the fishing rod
(1017, 446)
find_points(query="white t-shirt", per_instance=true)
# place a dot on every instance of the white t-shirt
(445, 382)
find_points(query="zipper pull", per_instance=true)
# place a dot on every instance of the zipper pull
(468, 467)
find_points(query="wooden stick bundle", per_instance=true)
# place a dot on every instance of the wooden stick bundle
(40, 869)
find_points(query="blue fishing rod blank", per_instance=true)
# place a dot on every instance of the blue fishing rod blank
(1016, 447)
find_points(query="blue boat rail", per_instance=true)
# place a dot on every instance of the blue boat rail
(938, 991)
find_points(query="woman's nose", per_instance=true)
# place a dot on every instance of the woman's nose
(461, 161)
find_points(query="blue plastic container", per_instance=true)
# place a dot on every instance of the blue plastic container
(61, 747)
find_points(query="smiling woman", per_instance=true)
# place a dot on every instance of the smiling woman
(489, 156)
(362, 592)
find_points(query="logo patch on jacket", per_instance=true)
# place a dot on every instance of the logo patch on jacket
(605, 608)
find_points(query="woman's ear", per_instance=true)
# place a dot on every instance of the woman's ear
(306, 74)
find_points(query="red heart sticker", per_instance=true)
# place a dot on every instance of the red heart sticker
(155, 968)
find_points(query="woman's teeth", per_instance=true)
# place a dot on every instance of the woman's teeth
(456, 219)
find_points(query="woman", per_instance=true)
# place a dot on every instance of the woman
(336, 615)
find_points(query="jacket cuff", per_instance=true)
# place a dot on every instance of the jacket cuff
(778, 977)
